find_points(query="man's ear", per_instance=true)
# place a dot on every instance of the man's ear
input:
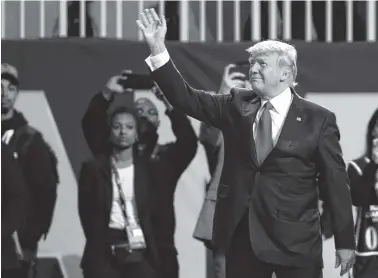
(285, 74)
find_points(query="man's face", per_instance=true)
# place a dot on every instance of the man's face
(123, 133)
(147, 109)
(9, 93)
(264, 73)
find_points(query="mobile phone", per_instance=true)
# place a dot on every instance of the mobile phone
(243, 67)
(137, 81)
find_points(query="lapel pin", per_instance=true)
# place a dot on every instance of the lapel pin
(299, 119)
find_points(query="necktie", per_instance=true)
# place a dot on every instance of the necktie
(264, 141)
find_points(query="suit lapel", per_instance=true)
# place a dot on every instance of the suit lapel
(294, 119)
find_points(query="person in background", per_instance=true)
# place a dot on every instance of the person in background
(13, 193)
(169, 160)
(39, 168)
(116, 202)
(363, 175)
(74, 19)
(213, 142)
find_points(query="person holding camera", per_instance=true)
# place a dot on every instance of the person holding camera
(213, 142)
(363, 176)
(116, 201)
(169, 161)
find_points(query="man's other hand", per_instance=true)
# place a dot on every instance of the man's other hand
(231, 79)
(346, 258)
(153, 29)
(114, 85)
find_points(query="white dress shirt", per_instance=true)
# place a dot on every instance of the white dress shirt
(281, 103)
(155, 62)
(126, 176)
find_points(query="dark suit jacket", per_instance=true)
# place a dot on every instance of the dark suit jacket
(13, 196)
(281, 194)
(95, 202)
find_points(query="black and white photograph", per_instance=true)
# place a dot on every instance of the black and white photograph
(189, 139)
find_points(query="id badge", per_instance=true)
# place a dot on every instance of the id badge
(136, 237)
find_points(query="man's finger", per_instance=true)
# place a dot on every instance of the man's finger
(236, 83)
(163, 22)
(140, 25)
(337, 263)
(144, 19)
(344, 268)
(228, 68)
(236, 74)
(149, 16)
(155, 16)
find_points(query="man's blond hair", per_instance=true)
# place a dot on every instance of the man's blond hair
(286, 52)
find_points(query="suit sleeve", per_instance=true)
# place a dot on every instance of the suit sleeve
(181, 152)
(336, 183)
(210, 108)
(13, 194)
(95, 126)
(86, 200)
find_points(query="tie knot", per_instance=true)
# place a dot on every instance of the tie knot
(268, 106)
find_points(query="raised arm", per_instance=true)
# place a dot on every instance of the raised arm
(207, 107)
(181, 152)
(95, 121)
(94, 124)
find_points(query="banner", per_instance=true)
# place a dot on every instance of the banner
(58, 77)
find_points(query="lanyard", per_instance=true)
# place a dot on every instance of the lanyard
(121, 193)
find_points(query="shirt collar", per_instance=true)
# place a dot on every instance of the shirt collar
(280, 102)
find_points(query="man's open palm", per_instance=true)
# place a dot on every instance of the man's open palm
(152, 27)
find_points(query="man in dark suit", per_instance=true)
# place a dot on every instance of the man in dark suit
(278, 148)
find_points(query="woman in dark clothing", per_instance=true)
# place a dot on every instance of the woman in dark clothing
(115, 205)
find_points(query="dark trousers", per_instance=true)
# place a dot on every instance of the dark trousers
(241, 262)
(109, 267)
(168, 263)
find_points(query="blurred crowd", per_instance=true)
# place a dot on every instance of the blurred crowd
(298, 19)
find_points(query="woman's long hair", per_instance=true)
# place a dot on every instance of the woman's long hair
(369, 134)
